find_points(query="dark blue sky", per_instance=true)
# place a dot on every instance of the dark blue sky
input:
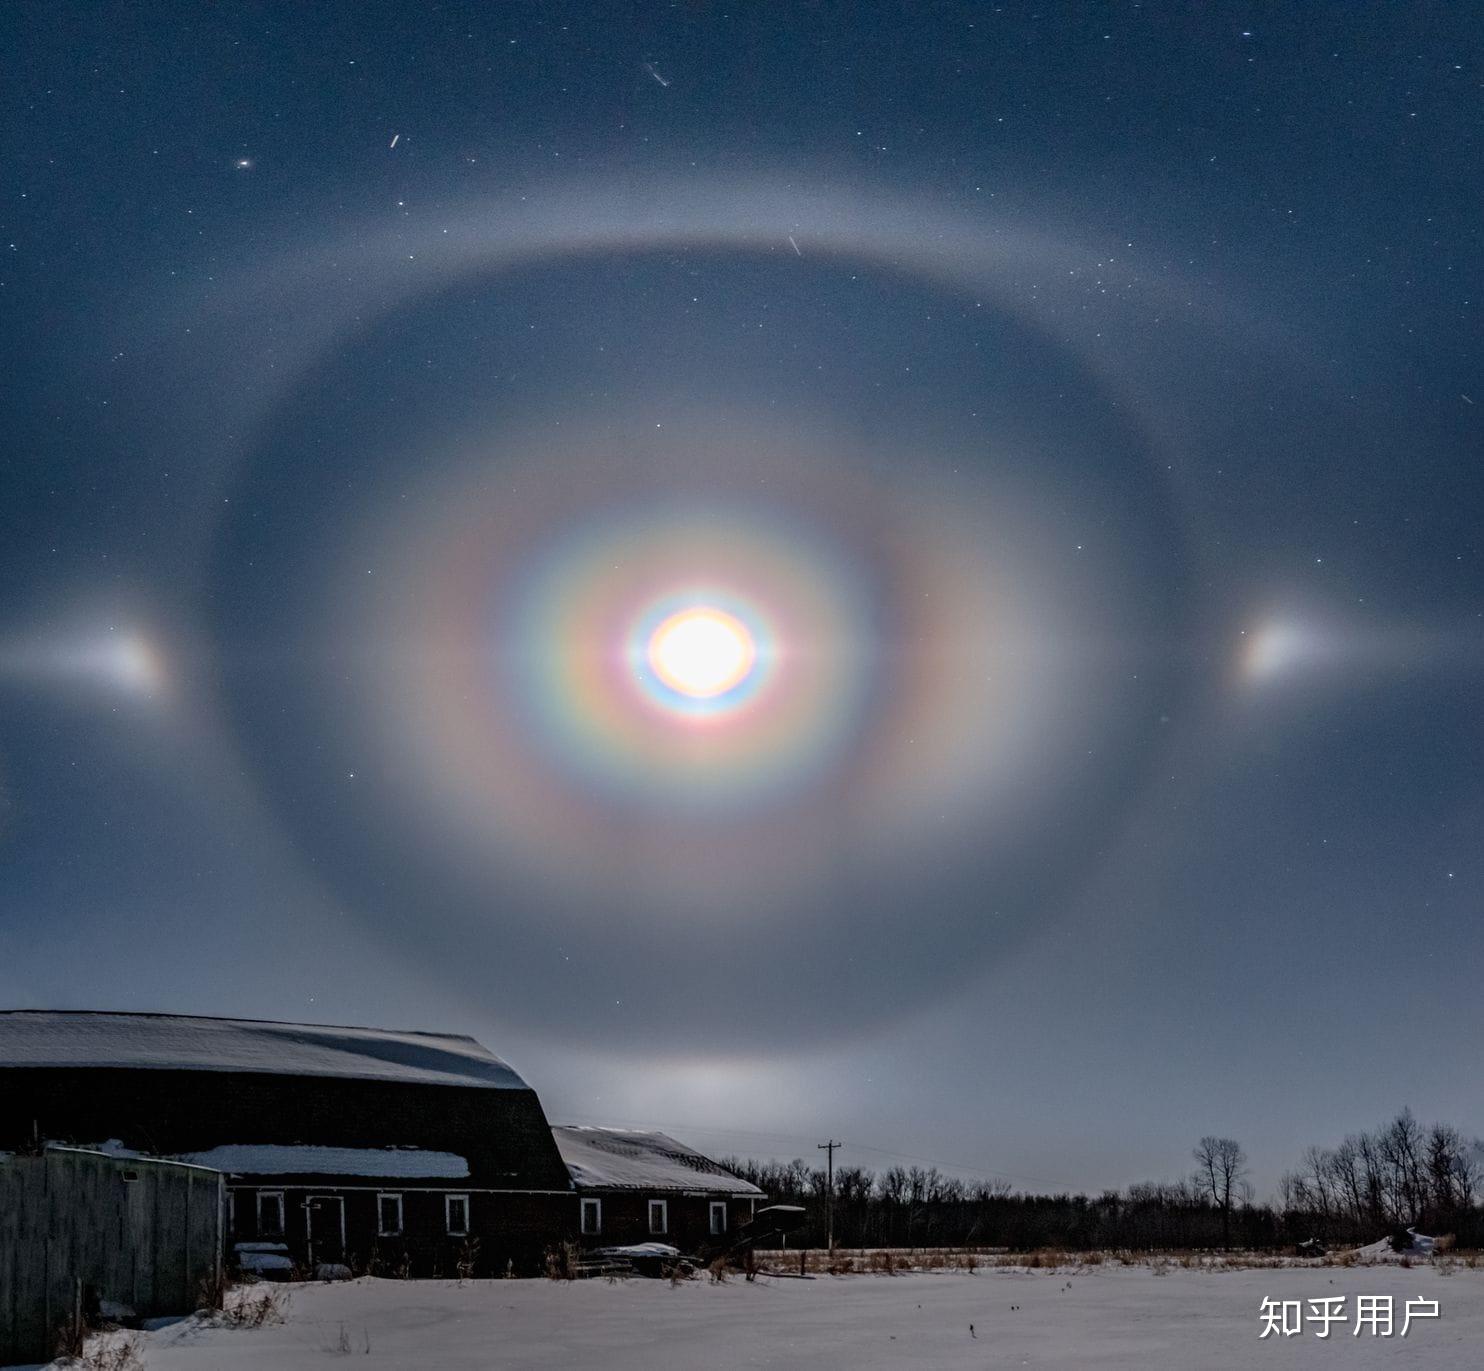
(1086, 399)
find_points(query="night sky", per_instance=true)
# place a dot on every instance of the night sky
(903, 572)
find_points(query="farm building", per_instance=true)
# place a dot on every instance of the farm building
(415, 1152)
(636, 1186)
(84, 1235)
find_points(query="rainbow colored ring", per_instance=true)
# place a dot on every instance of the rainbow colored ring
(580, 681)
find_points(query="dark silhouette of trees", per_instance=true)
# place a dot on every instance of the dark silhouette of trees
(1399, 1176)
(1220, 1176)
(1370, 1184)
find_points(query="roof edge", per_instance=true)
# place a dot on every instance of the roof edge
(237, 1018)
(432, 1082)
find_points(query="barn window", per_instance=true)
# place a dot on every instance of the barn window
(388, 1216)
(270, 1213)
(231, 1211)
(659, 1216)
(718, 1217)
(456, 1214)
(592, 1216)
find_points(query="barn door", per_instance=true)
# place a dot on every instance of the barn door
(325, 1215)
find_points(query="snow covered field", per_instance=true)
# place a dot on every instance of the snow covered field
(1113, 1317)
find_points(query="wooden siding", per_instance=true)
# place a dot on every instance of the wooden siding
(76, 1226)
(626, 1219)
(507, 1231)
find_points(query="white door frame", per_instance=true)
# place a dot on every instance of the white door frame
(309, 1202)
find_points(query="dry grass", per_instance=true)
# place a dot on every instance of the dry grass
(211, 1293)
(264, 1305)
(467, 1261)
(561, 1261)
(892, 1261)
(884, 1261)
(344, 1346)
(110, 1354)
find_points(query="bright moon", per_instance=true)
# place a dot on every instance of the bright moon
(701, 652)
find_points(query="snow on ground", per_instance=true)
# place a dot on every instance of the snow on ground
(1120, 1318)
(1382, 1250)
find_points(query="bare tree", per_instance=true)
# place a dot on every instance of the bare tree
(1399, 1146)
(1349, 1182)
(1368, 1157)
(1221, 1173)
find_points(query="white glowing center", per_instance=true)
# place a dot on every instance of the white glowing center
(701, 652)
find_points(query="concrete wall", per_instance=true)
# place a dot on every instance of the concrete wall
(144, 1236)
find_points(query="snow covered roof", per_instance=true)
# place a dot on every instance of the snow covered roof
(52, 1038)
(637, 1159)
(270, 1159)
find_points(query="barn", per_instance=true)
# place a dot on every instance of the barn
(414, 1153)
(638, 1186)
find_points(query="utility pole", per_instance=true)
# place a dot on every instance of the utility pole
(829, 1191)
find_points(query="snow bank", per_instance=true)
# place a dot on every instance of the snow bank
(262, 1257)
(640, 1249)
(1382, 1251)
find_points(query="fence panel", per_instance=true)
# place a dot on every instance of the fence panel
(138, 1238)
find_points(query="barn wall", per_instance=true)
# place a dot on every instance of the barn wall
(506, 1231)
(626, 1219)
(503, 1133)
(74, 1228)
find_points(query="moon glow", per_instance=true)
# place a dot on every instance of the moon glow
(702, 652)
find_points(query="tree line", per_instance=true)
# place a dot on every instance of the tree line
(1367, 1187)
(1398, 1176)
